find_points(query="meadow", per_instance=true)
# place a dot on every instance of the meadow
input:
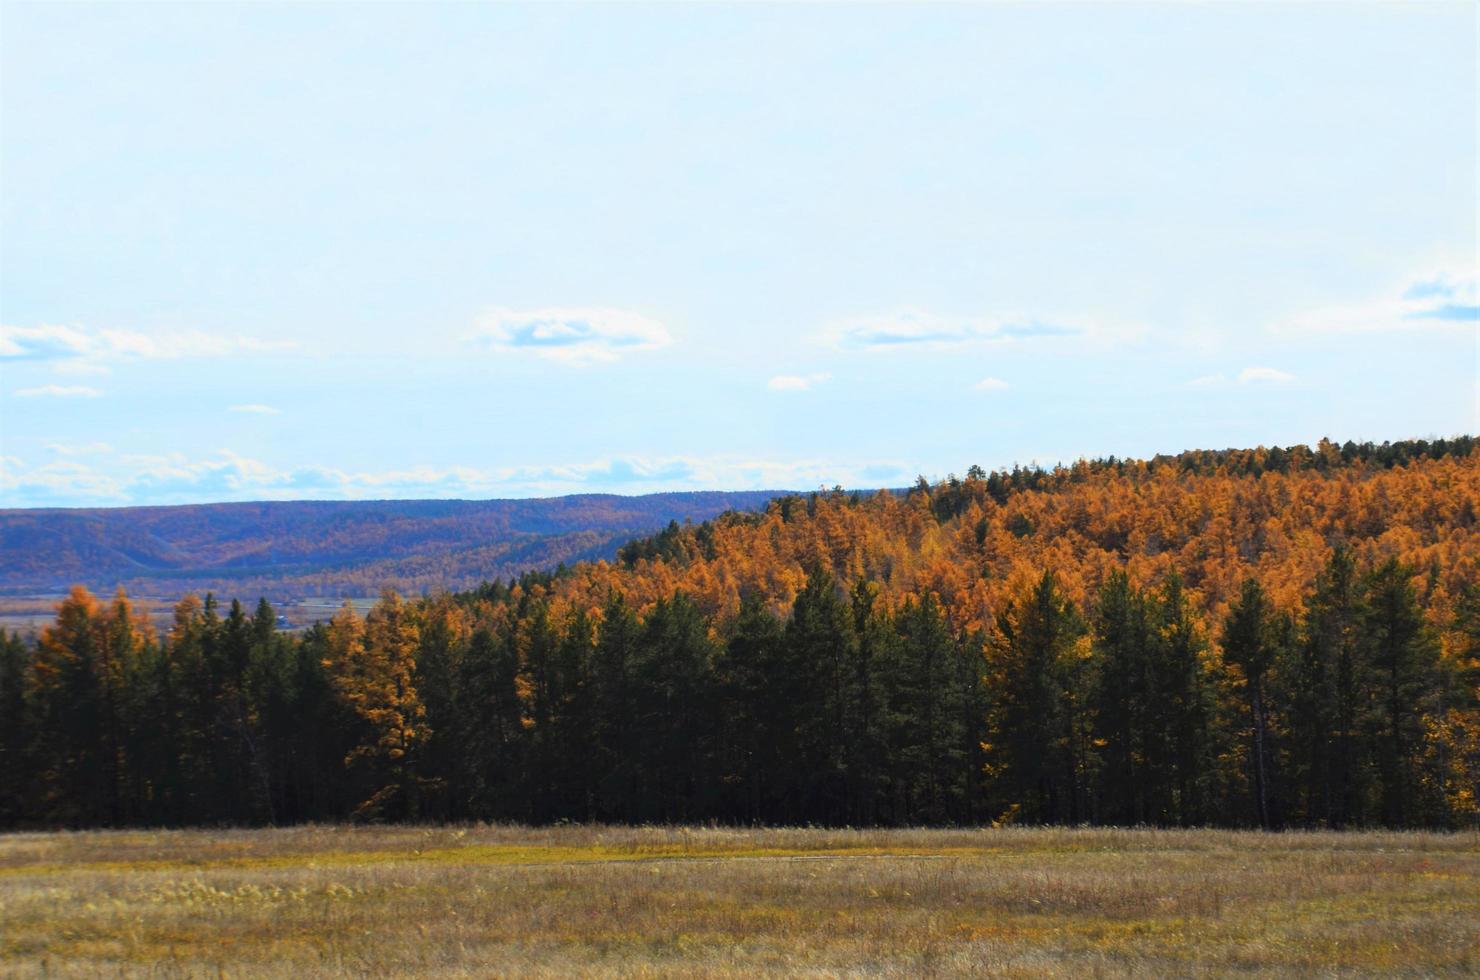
(583, 900)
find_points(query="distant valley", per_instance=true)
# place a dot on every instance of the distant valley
(294, 549)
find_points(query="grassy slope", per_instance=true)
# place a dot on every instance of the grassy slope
(462, 902)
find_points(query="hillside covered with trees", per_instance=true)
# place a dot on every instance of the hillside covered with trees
(1280, 637)
(328, 548)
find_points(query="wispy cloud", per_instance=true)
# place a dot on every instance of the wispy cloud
(1248, 376)
(1440, 300)
(44, 343)
(573, 335)
(84, 449)
(798, 382)
(255, 409)
(65, 344)
(991, 384)
(79, 366)
(176, 478)
(1264, 375)
(919, 329)
(61, 483)
(58, 391)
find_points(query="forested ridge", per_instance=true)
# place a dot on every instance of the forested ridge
(328, 548)
(1267, 637)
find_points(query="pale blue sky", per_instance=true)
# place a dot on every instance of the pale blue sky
(286, 251)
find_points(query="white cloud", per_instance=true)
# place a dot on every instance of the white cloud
(59, 483)
(78, 366)
(573, 335)
(85, 449)
(192, 343)
(1441, 300)
(918, 328)
(798, 382)
(85, 346)
(58, 391)
(1248, 376)
(255, 409)
(991, 384)
(1264, 375)
(1208, 381)
(44, 342)
(922, 330)
(176, 478)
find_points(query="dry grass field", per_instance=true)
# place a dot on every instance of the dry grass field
(573, 901)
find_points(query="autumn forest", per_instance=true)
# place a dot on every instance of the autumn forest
(1262, 638)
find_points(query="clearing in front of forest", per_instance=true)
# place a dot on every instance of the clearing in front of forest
(325, 900)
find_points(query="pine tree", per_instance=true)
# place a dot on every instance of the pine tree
(1404, 662)
(874, 653)
(1033, 757)
(820, 661)
(1185, 710)
(70, 715)
(615, 744)
(1122, 637)
(15, 762)
(267, 697)
(672, 710)
(536, 640)
(1251, 641)
(489, 731)
(748, 752)
(1327, 682)
(573, 720)
(929, 740)
(443, 641)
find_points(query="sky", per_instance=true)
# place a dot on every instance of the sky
(291, 251)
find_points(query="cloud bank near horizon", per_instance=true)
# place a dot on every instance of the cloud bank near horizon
(108, 478)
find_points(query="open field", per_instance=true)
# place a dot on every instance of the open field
(332, 901)
(29, 615)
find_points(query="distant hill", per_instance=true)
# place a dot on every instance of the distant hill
(326, 548)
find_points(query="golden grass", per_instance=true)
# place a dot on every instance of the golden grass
(480, 901)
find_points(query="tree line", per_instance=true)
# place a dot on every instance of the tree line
(1348, 709)
(1266, 637)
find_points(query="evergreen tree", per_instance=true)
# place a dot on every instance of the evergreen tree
(573, 720)
(489, 731)
(1327, 685)
(442, 645)
(536, 640)
(868, 756)
(615, 744)
(1121, 642)
(750, 728)
(929, 741)
(1033, 756)
(268, 702)
(1251, 641)
(1184, 710)
(15, 764)
(821, 664)
(1405, 657)
(69, 715)
(672, 710)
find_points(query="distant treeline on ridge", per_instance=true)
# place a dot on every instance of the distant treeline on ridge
(346, 548)
(1262, 638)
